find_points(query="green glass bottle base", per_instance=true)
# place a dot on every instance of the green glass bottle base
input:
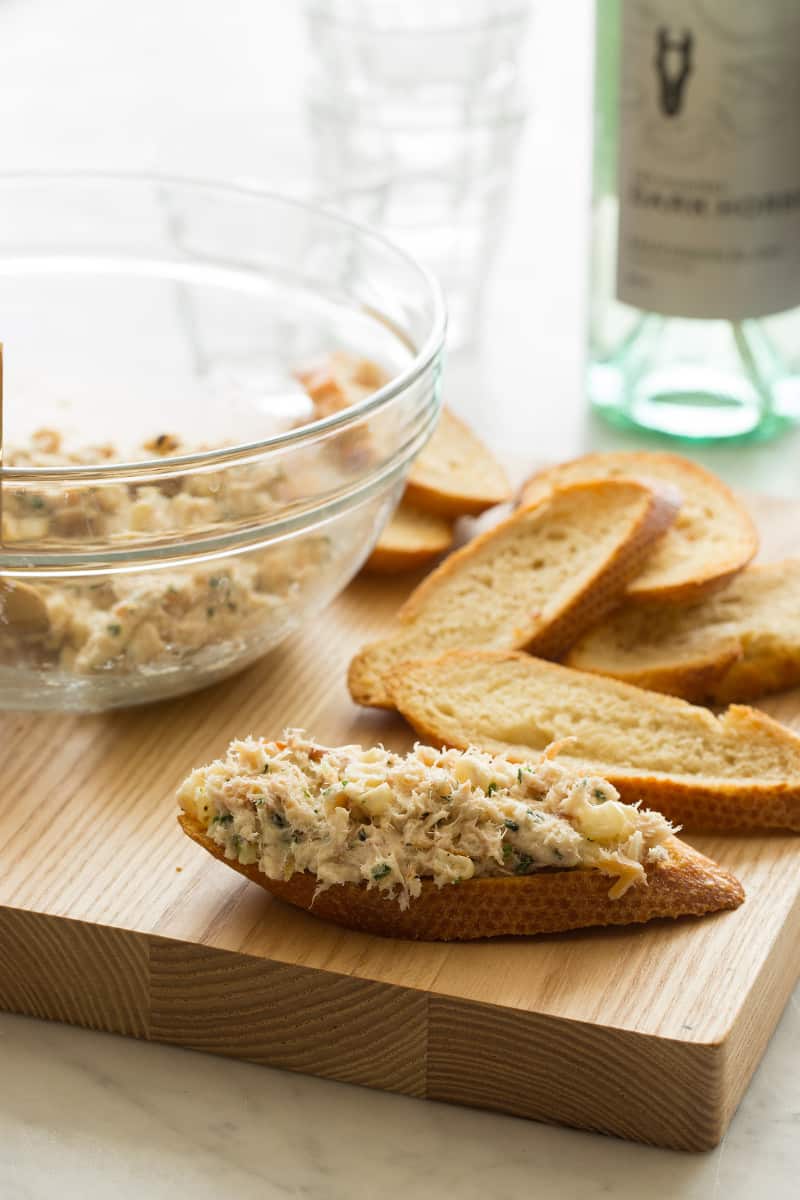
(690, 405)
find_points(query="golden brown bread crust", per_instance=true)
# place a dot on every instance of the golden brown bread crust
(689, 884)
(600, 599)
(701, 681)
(655, 519)
(748, 678)
(587, 606)
(739, 666)
(718, 571)
(734, 809)
(734, 647)
(731, 807)
(411, 539)
(443, 497)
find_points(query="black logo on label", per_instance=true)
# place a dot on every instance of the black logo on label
(673, 67)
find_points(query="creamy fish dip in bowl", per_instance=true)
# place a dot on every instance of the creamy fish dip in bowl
(212, 398)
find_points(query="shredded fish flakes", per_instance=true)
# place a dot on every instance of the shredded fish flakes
(387, 820)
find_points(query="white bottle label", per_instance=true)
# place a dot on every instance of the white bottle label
(709, 157)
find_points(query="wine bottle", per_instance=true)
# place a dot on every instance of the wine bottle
(695, 294)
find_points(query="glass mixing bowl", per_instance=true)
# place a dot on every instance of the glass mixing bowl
(212, 398)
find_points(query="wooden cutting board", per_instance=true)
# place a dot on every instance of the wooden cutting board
(110, 918)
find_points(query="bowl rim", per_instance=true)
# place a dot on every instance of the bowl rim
(423, 359)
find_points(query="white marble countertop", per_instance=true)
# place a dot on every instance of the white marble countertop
(93, 1116)
(213, 89)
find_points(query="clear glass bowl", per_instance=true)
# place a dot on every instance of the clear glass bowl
(173, 506)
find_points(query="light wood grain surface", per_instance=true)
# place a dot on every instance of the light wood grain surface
(110, 918)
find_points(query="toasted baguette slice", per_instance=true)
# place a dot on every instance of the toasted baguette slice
(735, 773)
(712, 538)
(442, 844)
(456, 475)
(411, 539)
(687, 884)
(737, 644)
(536, 580)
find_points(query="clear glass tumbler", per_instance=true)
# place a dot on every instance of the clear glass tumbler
(417, 48)
(415, 115)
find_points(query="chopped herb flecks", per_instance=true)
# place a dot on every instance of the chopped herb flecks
(512, 825)
(381, 871)
(491, 789)
(362, 835)
(115, 630)
(523, 863)
(279, 820)
(223, 819)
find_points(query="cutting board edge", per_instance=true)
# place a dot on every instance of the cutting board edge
(749, 1035)
(57, 968)
(659, 1090)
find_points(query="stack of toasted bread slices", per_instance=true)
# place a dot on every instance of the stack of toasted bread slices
(538, 656)
(712, 538)
(535, 581)
(692, 618)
